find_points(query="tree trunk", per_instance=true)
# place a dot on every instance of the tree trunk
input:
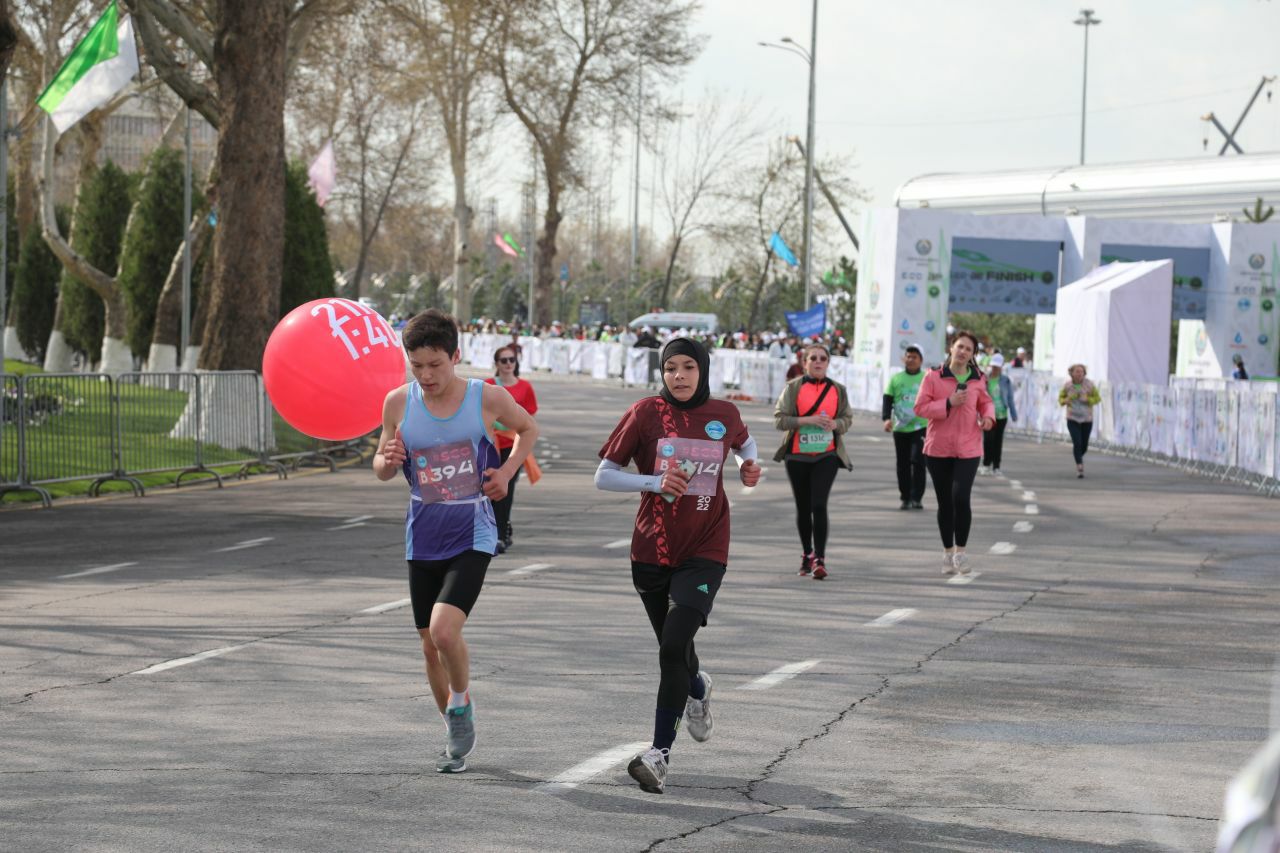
(249, 61)
(461, 265)
(58, 356)
(545, 271)
(166, 338)
(671, 267)
(24, 183)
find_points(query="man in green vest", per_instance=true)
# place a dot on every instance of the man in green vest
(900, 418)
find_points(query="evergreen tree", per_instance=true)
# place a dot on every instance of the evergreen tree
(155, 234)
(35, 289)
(308, 269)
(100, 219)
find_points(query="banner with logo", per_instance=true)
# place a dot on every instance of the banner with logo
(1190, 273)
(808, 323)
(1004, 276)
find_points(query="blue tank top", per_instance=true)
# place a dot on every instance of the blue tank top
(447, 457)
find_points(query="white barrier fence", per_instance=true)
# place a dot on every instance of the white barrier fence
(1226, 429)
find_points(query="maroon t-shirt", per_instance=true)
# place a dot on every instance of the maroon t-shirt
(657, 436)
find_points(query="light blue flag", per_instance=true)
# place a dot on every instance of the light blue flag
(780, 248)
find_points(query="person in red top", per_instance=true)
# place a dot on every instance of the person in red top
(506, 362)
(955, 400)
(679, 441)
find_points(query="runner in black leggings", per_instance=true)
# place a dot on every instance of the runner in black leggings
(955, 400)
(814, 412)
(680, 441)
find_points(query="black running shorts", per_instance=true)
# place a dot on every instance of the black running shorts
(455, 581)
(694, 583)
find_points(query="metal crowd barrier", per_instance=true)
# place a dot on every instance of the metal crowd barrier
(59, 428)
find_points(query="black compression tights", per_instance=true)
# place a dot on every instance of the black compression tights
(953, 484)
(811, 487)
(675, 626)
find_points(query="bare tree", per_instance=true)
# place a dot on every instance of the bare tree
(694, 167)
(563, 65)
(246, 50)
(450, 44)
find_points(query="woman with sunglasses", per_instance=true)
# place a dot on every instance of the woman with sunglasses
(507, 374)
(680, 441)
(814, 412)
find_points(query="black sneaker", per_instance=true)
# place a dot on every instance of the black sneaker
(905, 505)
(917, 505)
(806, 565)
(506, 536)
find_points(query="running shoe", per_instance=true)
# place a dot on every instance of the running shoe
(506, 536)
(948, 564)
(961, 562)
(917, 505)
(698, 712)
(447, 764)
(649, 768)
(806, 565)
(499, 547)
(462, 730)
(905, 505)
(819, 568)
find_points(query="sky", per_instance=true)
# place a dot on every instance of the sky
(909, 87)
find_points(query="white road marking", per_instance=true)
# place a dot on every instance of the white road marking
(1017, 484)
(594, 766)
(779, 675)
(1028, 496)
(1023, 527)
(390, 605)
(248, 543)
(746, 490)
(531, 568)
(358, 518)
(98, 570)
(1002, 548)
(351, 526)
(556, 455)
(619, 543)
(170, 664)
(892, 617)
(960, 580)
(873, 438)
(1032, 509)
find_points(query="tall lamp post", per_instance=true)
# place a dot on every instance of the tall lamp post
(1085, 20)
(809, 56)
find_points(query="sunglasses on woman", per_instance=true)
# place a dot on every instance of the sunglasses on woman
(506, 359)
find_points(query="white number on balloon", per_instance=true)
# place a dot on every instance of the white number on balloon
(376, 329)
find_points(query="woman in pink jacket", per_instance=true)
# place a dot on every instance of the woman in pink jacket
(954, 398)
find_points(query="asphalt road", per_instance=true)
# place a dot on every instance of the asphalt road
(1093, 687)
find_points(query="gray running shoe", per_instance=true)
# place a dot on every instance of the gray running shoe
(649, 768)
(447, 764)
(462, 730)
(948, 564)
(961, 561)
(698, 712)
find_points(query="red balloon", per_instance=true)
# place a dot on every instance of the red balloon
(328, 367)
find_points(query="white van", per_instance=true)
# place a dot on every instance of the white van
(708, 323)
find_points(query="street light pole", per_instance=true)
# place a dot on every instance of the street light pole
(807, 270)
(1085, 20)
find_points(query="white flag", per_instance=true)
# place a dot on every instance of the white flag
(322, 174)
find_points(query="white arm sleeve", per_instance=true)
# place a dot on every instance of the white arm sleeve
(748, 451)
(611, 478)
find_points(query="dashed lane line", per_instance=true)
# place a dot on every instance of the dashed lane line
(618, 543)
(1028, 496)
(248, 543)
(593, 766)
(893, 617)
(97, 570)
(1023, 527)
(390, 605)
(1003, 548)
(176, 662)
(1032, 509)
(1016, 484)
(531, 568)
(961, 580)
(779, 675)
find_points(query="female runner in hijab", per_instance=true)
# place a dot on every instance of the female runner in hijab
(679, 441)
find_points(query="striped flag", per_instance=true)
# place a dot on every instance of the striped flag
(101, 65)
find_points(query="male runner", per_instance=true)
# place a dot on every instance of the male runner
(435, 431)
(908, 428)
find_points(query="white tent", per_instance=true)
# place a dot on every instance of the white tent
(1117, 321)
